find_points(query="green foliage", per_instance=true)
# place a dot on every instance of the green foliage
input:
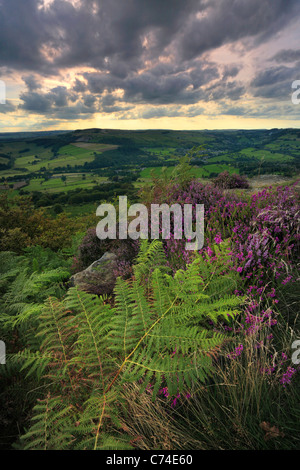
(21, 226)
(183, 172)
(25, 284)
(87, 349)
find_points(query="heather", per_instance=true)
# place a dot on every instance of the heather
(261, 233)
(263, 229)
(192, 350)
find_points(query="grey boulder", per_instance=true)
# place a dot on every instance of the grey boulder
(99, 277)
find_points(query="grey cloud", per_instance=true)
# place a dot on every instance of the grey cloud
(165, 111)
(158, 112)
(165, 89)
(273, 75)
(31, 82)
(275, 82)
(232, 90)
(8, 107)
(79, 86)
(35, 102)
(155, 51)
(231, 20)
(58, 101)
(112, 38)
(159, 85)
(39, 39)
(234, 110)
(108, 100)
(59, 96)
(78, 111)
(230, 71)
(89, 100)
(194, 111)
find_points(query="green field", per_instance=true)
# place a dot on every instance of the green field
(55, 185)
(267, 155)
(159, 151)
(32, 157)
(198, 172)
(80, 209)
(129, 153)
(221, 159)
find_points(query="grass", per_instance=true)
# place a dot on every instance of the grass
(55, 185)
(37, 157)
(199, 172)
(4, 160)
(232, 412)
(241, 407)
(95, 147)
(80, 209)
(163, 151)
(267, 155)
(219, 168)
(221, 159)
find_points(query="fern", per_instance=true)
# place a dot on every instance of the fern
(150, 255)
(89, 348)
(52, 425)
(23, 293)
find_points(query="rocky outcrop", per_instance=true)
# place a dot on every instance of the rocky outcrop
(99, 277)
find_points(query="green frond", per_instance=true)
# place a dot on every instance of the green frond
(51, 428)
(156, 336)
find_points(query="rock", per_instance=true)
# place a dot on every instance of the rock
(99, 277)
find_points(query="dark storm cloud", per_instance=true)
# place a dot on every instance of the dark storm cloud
(110, 34)
(273, 75)
(230, 71)
(286, 56)
(162, 84)
(165, 89)
(89, 101)
(35, 102)
(231, 20)
(8, 107)
(47, 105)
(43, 102)
(63, 103)
(275, 82)
(31, 82)
(98, 33)
(155, 51)
(22, 31)
(58, 101)
(232, 90)
(79, 86)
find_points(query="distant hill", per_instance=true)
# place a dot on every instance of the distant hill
(64, 166)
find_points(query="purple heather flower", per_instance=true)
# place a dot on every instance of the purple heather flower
(218, 239)
(287, 376)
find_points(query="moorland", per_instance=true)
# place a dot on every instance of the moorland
(186, 350)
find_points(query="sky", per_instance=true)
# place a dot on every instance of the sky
(149, 64)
